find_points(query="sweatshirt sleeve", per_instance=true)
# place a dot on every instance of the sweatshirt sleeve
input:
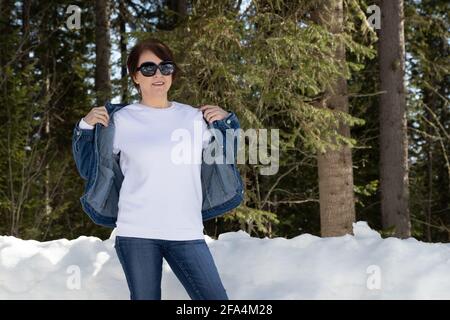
(116, 148)
(84, 125)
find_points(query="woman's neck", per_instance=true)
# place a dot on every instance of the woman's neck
(157, 102)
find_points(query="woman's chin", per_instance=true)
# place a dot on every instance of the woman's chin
(157, 91)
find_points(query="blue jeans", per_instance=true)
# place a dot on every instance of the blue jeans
(190, 260)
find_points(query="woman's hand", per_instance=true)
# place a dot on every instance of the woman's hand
(97, 115)
(212, 113)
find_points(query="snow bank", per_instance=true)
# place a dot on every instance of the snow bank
(363, 266)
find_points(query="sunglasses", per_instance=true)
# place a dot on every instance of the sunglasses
(148, 69)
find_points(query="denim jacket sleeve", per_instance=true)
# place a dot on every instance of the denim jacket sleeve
(83, 149)
(230, 122)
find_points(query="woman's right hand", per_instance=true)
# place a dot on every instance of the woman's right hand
(97, 115)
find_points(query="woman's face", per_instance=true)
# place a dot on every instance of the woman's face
(146, 84)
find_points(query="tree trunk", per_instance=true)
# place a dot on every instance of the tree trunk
(26, 7)
(429, 99)
(102, 52)
(393, 135)
(337, 207)
(180, 9)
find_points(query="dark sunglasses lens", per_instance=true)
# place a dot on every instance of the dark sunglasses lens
(148, 70)
(167, 68)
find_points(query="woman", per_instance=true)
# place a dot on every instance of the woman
(160, 199)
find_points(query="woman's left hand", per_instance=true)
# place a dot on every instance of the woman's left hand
(212, 113)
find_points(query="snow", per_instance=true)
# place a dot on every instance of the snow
(359, 266)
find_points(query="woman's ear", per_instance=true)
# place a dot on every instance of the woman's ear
(135, 79)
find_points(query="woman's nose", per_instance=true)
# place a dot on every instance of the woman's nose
(158, 73)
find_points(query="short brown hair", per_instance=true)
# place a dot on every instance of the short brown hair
(156, 46)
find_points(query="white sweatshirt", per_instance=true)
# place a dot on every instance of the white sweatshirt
(160, 157)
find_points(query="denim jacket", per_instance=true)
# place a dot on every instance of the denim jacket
(222, 186)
